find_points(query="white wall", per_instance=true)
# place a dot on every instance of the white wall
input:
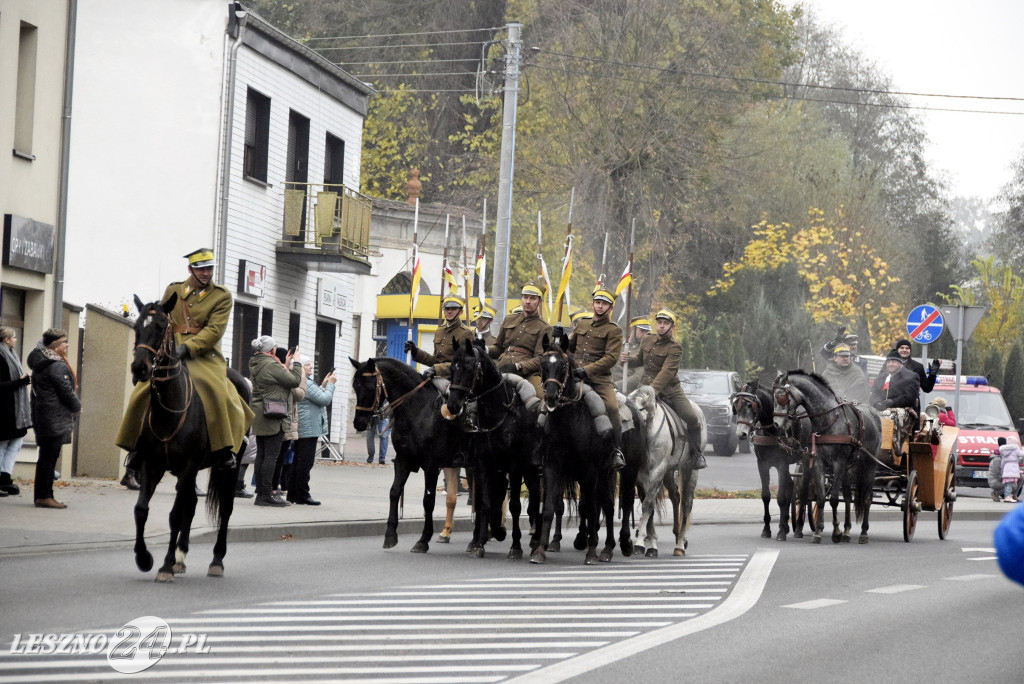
(144, 142)
(255, 212)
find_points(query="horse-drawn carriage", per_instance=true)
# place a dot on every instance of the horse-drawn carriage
(917, 468)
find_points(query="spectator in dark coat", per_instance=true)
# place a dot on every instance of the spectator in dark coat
(271, 381)
(15, 409)
(926, 378)
(895, 386)
(55, 404)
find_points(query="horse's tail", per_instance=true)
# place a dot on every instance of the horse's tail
(222, 482)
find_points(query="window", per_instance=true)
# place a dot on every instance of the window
(267, 324)
(334, 161)
(12, 314)
(257, 135)
(293, 330)
(25, 103)
(245, 329)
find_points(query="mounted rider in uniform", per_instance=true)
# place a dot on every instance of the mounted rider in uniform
(660, 355)
(447, 336)
(482, 319)
(596, 343)
(520, 341)
(198, 321)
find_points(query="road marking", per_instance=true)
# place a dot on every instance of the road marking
(816, 603)
(743, 597)
(982, 549)
(895, 589)
(969, 578)
(982, 558)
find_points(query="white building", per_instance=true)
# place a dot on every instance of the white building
(198, 124)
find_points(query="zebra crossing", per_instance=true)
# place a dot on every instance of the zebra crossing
(493, 629)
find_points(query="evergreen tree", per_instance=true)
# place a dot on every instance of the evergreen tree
(1013, 383)
(992, 367)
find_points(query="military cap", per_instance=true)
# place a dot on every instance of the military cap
(641, 323)
(451, 302)
(531, 289)
(601, 294)
(580, 315)
(841, 350)
(201, 258)
(667, 315)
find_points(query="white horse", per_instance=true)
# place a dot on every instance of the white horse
(668, 451)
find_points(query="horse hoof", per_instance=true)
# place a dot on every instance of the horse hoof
(837, 537)
(580, 542)
(419, 547)
(781, 536)
(179, 568)
(515, 554)
(144, 561)
(798, 535)
(605, 556)
(766, 534)
(863, 539)
(626, 547)
(591, 559)
(164, 576)
(816, 539)
(678, 552)
(537, 557)
(556, 547)
(390, 541)
(846, 538)
(638, 550)
(442, 539)
(215, 570)
(499, 533)
(651, 553)
(477, 552)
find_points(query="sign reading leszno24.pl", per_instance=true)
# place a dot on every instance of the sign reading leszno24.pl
(925, 324)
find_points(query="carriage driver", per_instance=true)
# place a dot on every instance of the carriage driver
(199, 321)
(660, 355)
(521, 339)
(446, 337)
(597, 344)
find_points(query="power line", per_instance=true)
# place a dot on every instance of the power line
(402, 35)
(770, 96)
(742, 79)
(434, 73)
(401, 45)
(412, 61)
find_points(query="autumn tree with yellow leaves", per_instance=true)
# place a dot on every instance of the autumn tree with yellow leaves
(848, 282)
(996, 287)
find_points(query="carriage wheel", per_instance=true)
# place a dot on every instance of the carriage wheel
(911, 506)
(948, 498)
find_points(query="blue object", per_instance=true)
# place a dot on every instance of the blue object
(925, 324)
(1009, 543)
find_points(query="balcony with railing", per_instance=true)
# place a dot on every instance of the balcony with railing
(326, 228)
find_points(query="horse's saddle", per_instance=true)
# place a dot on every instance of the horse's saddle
(625, 415)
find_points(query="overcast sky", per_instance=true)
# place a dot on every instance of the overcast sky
(948, 47)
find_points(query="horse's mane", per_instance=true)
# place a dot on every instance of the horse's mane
(399, 367)
(818, 379)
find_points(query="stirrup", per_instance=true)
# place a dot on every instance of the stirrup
(618, 460)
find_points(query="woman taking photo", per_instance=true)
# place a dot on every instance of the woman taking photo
(312, 426)
(272, 384)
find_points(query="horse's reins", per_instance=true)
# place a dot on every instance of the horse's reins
(817, 437)
(382, 390)
(507, 402)
(165, 352)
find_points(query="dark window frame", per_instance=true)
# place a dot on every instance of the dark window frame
(257, 136)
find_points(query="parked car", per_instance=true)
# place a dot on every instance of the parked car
(712, 390)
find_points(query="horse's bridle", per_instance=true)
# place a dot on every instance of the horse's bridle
(160, 362)
(741, 398)
(385, 411)
(562, 399)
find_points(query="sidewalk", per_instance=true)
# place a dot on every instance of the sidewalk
(354, 502)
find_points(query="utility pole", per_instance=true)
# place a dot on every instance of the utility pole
(503, 228)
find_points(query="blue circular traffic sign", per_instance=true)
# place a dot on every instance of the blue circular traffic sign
(925, 324)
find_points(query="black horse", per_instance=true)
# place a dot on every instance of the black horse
(174, 437)
(844, 443)
(502, 437)
(421, 437)
(573, 453)
(773, 447)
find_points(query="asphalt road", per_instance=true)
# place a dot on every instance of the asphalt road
(737, 607)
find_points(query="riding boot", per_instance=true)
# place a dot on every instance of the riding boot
(133, 461)
(618, 460)
(698, 462)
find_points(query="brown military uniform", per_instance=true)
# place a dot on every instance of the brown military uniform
(487, 336)
(660, 357)
(445, 338)
(597, 344)
(521, 341)
(227, 415)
